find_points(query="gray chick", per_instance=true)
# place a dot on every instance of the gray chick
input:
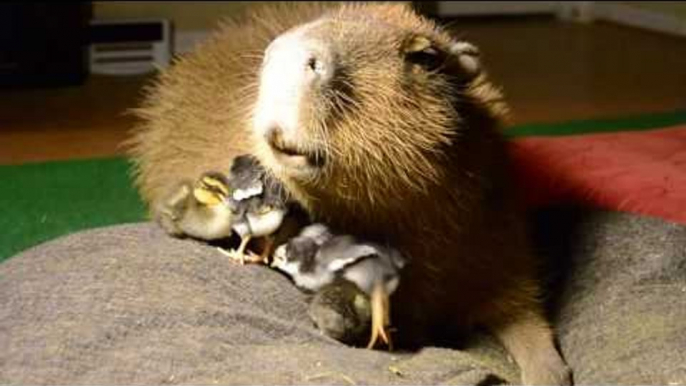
(258, 203)
(316, 258)
(247, 201)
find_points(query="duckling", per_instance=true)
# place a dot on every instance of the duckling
(197, 209)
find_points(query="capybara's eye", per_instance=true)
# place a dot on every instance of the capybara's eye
(428, 59)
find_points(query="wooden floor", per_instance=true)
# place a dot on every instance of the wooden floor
(551, 71)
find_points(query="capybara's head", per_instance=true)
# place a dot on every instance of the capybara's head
(363, 102)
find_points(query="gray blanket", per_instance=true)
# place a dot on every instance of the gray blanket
(128, 305)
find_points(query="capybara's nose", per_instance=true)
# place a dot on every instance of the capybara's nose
(295, 71)
(317, 66)
(300, 61)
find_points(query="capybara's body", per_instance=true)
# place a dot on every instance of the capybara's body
(382, 126)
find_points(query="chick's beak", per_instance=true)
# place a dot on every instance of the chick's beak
(279, 257)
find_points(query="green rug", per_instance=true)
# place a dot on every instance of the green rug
(577, 127)
(42, 201)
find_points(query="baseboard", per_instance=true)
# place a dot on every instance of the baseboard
(639, 18)
(576, 11)
(488, 8)
(186, 41)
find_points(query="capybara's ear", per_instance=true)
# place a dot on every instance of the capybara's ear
(418, 43)
(468, 57)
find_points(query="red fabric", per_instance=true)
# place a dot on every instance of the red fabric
(641, 172)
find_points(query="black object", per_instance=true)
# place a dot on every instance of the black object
(128, 32)
(44, 44)
(426, 8)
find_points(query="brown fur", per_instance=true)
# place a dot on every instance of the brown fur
(412, 157)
